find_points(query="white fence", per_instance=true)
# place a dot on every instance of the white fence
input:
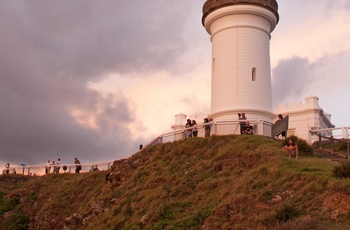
(217, 128)
(39, 170)
(333, 134)
(339, 132)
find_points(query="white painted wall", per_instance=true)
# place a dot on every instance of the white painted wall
(303, 117)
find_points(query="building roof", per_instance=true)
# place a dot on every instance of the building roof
(211, 5)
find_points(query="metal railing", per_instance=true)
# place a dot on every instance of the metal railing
(216, 128)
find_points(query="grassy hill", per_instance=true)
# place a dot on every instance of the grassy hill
(221, 182)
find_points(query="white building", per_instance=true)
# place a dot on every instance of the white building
(240, 32)
(304, 117)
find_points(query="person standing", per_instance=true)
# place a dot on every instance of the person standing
(58, 165)
(242, 124)
(283, 134)
(195, 129)
(188, 132)
(207, 128)
(77, 165)
(54, 166)
(47, 167)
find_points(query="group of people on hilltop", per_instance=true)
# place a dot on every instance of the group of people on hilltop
(6, 169)
(245, 127)
(56, 166)
(191, 132)
(192, 129)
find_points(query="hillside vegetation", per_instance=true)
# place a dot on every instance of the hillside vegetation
(221, 182)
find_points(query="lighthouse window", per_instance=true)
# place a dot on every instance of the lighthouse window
(254, 74)
(213, 67)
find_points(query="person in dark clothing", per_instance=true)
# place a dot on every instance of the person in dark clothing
(207, 128)
(77, 165)
(188, 132)
(283, 134)
(242, 124)
(195, 129)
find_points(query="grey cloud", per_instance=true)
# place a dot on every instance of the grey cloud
(296, 78)
(290, 79)
(87, 38)
(51, 49)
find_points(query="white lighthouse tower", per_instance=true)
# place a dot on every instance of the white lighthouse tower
(241, 75)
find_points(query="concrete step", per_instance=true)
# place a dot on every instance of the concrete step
(321, 153)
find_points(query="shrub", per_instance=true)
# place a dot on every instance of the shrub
(286, 213)
(16, 221)
(303, 146)
(342, 170)
(306, 223)
(7, 204)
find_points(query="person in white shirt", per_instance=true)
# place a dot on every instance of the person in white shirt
(58, 165)
(47, 167)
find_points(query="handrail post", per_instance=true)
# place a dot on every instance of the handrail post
(215, 128)
(319, 141)
(332, 144)
(260, 127)
(347, 140)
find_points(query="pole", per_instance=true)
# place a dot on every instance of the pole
(236, 129)
(319, 141)
(347, 140)
(332, 144)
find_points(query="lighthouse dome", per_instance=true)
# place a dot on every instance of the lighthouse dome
(211, 5)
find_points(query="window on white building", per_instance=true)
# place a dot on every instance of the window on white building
(254, 74)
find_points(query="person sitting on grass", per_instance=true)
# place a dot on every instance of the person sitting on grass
(291, 148)
(248, 129)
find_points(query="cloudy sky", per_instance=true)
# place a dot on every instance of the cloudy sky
(95, 79)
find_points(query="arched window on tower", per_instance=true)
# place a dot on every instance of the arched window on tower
(213, 64)
(254, 74)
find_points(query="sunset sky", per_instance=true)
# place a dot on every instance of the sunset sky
(95, 79)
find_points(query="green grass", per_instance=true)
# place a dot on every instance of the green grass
(221, 182)
(339, 147)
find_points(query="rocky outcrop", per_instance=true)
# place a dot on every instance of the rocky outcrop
(122, 169)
